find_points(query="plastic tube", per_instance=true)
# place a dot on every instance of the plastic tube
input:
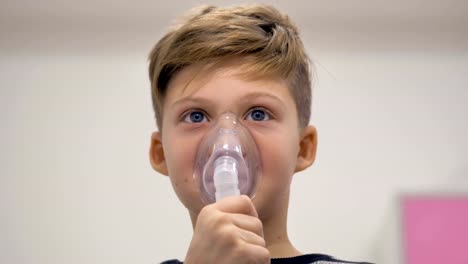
(226, 178)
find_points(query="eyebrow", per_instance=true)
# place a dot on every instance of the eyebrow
(191, 99)
(247, 97)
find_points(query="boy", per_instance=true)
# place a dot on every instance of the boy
(249, 61)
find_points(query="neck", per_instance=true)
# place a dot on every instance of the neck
(276, 235)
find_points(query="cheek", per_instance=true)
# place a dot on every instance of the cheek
(278, 153)
(180, 157)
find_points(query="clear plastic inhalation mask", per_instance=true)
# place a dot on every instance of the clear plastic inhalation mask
(227, 161)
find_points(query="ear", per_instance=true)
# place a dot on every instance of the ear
(307, 148)
(156, 154)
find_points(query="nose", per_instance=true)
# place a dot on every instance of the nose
(227, 121)
(228, 133)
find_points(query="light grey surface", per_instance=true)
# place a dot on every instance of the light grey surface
(366, 13)
(76, 185)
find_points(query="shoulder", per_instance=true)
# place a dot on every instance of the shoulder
(172, 261)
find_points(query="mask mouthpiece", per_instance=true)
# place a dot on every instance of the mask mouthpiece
(227, 161)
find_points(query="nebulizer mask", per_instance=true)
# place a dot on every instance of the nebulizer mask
(227, 161)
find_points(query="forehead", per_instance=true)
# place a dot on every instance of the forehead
(227, 77)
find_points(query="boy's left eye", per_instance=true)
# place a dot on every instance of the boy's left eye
(258, 115)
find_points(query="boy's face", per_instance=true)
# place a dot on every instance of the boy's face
(197, 96)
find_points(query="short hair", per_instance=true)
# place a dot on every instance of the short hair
(210, 34)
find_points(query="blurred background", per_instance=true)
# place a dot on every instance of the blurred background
(76, 186)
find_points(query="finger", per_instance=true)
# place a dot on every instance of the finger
(251, 237)
(257, 254)
(237, 204)
(247, 222)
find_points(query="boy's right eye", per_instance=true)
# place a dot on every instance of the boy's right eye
(195, 117)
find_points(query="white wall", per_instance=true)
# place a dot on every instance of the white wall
(75, 181)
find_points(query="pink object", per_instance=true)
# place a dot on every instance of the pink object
(435, 229)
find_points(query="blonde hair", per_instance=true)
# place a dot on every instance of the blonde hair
(210, 34)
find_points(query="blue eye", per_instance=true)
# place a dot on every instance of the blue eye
(195, 117)
(258, 115)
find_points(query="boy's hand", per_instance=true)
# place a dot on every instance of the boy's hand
(228, 231)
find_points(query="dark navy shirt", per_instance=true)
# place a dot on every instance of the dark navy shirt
(303, 259)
